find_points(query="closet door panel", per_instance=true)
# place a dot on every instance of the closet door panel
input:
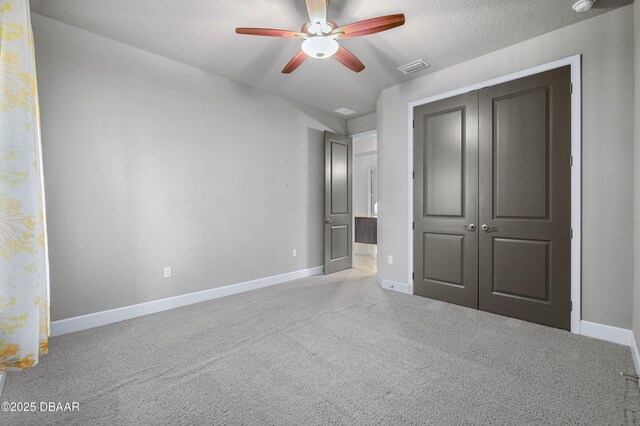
(525, 198)
(445, 200)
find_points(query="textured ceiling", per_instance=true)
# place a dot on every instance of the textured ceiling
(201, 33)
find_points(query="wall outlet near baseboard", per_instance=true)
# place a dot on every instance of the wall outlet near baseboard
(167, 271)
(294, 253)
(390, 260)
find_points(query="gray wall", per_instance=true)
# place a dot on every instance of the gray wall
(361, 124)
(606, 43)
(150, 163)
(636, 251)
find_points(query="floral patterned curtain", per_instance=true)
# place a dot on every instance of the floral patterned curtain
(24, 283)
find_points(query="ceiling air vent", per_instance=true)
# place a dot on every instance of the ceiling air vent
(414, 66)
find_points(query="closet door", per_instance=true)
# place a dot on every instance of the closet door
(445, 200)
(525, 198)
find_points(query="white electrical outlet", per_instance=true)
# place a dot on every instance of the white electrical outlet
(167, 271)
(390, 260)
(294, 253)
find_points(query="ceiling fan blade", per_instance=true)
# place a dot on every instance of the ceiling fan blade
(370, 26)
(269, 32)
(317, 10)
(294, 63)
(349, 60)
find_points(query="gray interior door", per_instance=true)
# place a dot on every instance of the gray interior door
(338, 213)
(525, 198)
(446, 200)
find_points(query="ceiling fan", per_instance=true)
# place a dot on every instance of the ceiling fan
(320, 35)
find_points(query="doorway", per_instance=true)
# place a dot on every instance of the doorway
(492, 199)
(365, 201)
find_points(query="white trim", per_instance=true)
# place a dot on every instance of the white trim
(353, 199)
(621, 336)
(576, 192)
(576, 182)
(363, 135)
(366, 153)
(393, 285)
(3, 378)
(635, 354)
(370, 204)
(84, 322)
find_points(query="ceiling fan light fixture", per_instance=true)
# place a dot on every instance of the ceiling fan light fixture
(320, 47)
(583, 5)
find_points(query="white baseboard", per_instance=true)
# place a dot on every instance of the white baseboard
(3, 377)
(84, 322)
(394, 286)
(635, 354)
(618, 335)
(621, 336)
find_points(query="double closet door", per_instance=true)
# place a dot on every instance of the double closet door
(492, 199)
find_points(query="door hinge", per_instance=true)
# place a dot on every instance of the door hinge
(571, 305)
(571, 233)
(570, 88)
(413, 225)
(414, 124)
(414, 175)
(413, 275)
(571, 160)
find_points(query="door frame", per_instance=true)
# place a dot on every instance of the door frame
(576, 174)
(356, 137)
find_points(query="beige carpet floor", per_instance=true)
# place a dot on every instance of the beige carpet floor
(328, 350)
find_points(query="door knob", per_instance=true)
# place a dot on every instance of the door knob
(486, 228)
(470, 227)
(328, 221)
